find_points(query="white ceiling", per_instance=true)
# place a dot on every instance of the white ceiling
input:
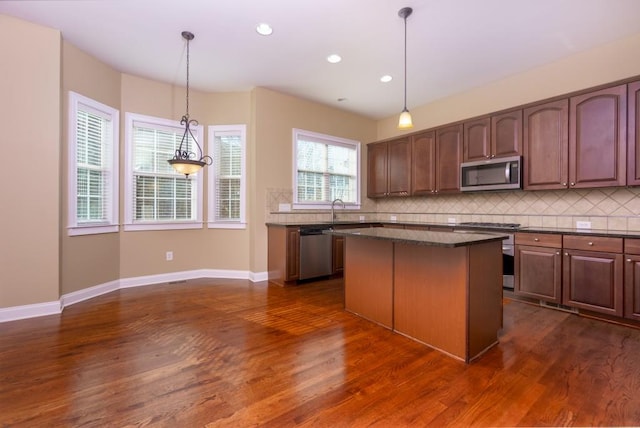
(453, 45)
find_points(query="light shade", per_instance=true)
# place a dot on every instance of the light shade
(186, 166)
(405, 121)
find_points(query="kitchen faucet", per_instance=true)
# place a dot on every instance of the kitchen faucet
(333, 212)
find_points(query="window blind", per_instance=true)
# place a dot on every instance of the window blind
(159, 193)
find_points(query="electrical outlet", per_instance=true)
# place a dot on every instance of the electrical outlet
(451, 220)
(583, 225)
(394, 218)
(362, 218)
(169, 256)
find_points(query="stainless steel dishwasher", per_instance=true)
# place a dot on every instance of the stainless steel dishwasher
(315, 252)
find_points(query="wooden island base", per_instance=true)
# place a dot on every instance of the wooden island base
(449, 298)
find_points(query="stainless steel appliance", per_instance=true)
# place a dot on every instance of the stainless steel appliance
(508, 250)
(491, 174)
(315, 252)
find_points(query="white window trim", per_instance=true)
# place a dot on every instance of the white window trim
(339, 141)
(129, 224)
(231, 224)
(112, 225)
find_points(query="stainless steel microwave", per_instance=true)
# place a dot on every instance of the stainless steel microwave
(491, 174)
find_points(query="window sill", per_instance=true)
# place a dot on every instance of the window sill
(220, 225)
(92, 230)
(161, 226)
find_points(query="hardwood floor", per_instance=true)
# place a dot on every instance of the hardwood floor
(231, 353)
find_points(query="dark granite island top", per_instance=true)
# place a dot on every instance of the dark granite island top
(422, 237)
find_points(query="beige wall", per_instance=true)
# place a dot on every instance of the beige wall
(88, 260)
(614, 61)
(143, 252)
(276, 115)
(30, 143)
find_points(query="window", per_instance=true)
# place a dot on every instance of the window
(227, 177)
(93, 166)
(157, 197)
(325, 168)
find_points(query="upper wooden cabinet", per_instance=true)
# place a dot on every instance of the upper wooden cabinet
(633, 135)
(436, 161)
(546, 146)
(477, 140)
(496, 136)
(598, 138)
(389, 168)
(506, 134)
(448, 159)
(423, 170)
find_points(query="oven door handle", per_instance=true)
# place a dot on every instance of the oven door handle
(507, 172)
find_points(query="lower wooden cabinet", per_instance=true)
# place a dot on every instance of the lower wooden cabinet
(337, 263)
(538, 266)
(592, 274)
(632, 279)
(632, 287)
(283, 259)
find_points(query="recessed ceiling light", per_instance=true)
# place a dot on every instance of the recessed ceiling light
(264, 29)
(334, 59)
(386, 78)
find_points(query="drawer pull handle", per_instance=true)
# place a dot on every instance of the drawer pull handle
(536, 239)
(591, 243)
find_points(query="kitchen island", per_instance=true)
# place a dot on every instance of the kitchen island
(443, 289)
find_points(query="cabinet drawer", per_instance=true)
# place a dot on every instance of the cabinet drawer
(539, 240)
(632, 246)
(592, 243)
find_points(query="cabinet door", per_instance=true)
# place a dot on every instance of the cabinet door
(598, 138)
(538, 273)
(477, 140)
(399, 164)
(633, 135)
(546, 146)
(593, 281)
(377, 170)
(338, 254)
(448, 159)
(632, 287)
(293, 254)
(423, 176)
(506, 134)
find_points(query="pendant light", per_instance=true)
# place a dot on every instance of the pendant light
(184, 160)
(405, 121)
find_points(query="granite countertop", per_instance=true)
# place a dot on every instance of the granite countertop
(462, 227)
(422, 237)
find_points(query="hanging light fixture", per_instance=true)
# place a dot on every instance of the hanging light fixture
(184, 160)
(405, 121)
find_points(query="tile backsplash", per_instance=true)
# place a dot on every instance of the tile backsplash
(614, 208)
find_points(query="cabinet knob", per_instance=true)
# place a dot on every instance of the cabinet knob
(591, 243)
(492, 156)
(628, 260)
(536, 239)
(557, 253)
(564, 184)
(573, 184)
(436, 191)
(566, 254)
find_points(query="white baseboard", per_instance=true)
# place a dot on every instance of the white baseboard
(14, 313)
(56, 307)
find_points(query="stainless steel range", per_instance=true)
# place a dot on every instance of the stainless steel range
(508, 252)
